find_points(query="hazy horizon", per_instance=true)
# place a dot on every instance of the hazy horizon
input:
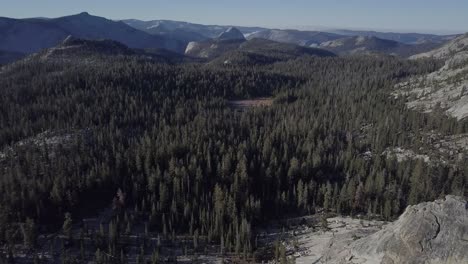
(416, 16)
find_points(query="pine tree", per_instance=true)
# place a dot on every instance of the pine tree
(29, 232)
(417, 186)
(67, 226)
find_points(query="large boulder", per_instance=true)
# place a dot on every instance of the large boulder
(432, 232)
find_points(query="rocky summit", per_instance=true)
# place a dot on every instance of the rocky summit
(231, 34)
(431, 232)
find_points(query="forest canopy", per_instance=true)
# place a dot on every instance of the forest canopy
(164, 136)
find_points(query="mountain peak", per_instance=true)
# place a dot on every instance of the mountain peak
(84, 14)
(231, 33)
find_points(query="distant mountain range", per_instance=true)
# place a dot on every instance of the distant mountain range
(263, 51)
(343, 42)
(32, 35)
(407, 38)
(372, 45)
(206, 31)
(79, 51)
(299, 37)
(26, 36)
(454, 47)
(217, 51)
(238, 50)
(303, 38)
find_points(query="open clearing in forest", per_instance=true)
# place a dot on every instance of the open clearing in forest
(250, 103)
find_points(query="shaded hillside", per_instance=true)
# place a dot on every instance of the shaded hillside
(457, 45)
(268, 47)
(370, 45)
(251, 51)
(84, 51)
(302, 38)
(177, 34)
(407, 38)
(167, 26)
(32, 35)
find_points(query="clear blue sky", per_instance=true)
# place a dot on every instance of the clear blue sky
(397, 15)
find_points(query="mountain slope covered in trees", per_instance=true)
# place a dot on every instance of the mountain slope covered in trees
(185, 165)
(33, 35)
(373, 45)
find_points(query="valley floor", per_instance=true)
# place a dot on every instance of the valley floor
(305, 240)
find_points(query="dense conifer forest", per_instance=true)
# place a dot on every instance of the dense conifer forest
(161, 145)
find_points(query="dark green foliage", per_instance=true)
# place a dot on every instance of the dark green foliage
(189, 164)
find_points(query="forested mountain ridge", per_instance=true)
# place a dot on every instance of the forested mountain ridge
(167, 26)
(299, 37)
(83, 51)
(184, 163)
(373, 45)
(302, 38)
(33, 35)
(407, 38)
(261, 49)
(212, 48)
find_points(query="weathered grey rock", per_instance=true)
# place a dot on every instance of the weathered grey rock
(432, 232)
(231, 34)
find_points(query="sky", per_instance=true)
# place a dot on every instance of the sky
(430, 16)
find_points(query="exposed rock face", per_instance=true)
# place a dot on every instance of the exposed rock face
(433, 232)
(231, 34)
(211, 48)
(207, 31)
(302, 38)
(446, 88)
(458, 44)
(370, 45)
